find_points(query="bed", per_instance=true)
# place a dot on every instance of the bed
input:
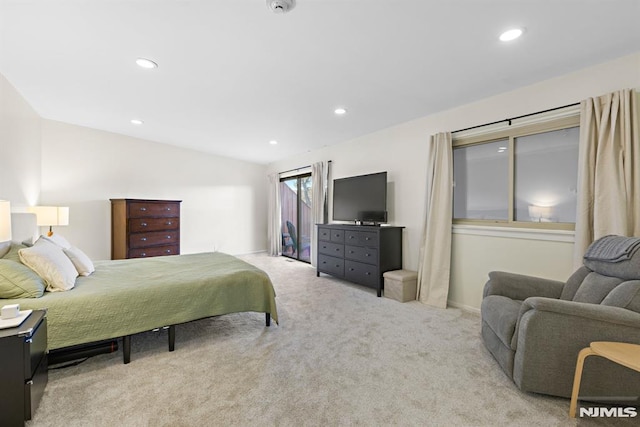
(125, 297)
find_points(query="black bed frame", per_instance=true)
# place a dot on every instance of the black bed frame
(75, 352)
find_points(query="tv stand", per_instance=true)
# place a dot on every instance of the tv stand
(359, 253)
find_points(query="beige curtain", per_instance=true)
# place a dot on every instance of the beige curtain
(319, 178)
(435, 250)
(608, 170)
(274, 231)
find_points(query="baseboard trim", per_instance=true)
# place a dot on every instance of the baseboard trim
(463, 307)
(263, 251)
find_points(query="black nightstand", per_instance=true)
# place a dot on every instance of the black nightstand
(23, 369)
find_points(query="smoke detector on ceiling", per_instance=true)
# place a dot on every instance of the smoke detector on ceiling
(281, 6)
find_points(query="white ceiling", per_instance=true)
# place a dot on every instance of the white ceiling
(233, 75)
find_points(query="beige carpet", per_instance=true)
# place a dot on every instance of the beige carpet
(340, 356)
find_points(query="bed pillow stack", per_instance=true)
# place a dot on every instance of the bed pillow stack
(80, 260)
(56, 262)
(51, 264)
(49, 261)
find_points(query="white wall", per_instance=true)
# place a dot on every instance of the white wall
(401, 150)
(223, 200)
(474, 255)
(19, 148)
(45, 162)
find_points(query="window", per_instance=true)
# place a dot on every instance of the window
(479, 173)
(520, 176)
(546, 171)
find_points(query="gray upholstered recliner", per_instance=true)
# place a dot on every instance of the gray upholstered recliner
(535, 328)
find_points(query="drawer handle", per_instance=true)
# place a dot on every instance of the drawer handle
(351, 252)
(143, 254)
(337, 266)
(367, 273)
(29, 340)
(324, 262)
(352, 237)
(168, 251)
(168, 209)
(143, 224)
(337, 235)
(367, 254)
(367, 238)
(169, 222)
(337, 249)
(30, 382)
(143, 209)
(352, 269)
(168, 237)
(144, 239)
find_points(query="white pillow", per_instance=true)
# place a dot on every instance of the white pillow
(49, 262)
(58, 240)
(80, 260)
(4, 248)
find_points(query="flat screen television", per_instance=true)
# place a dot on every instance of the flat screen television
(361, 198)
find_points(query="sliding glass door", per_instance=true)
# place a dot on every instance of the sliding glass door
(295, 194)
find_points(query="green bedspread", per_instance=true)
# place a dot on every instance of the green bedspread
(125, 297)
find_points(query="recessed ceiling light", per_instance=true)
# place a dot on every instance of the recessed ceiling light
(273, 142)
(136, 121)
(146, 63)
(281, 6)
(340, 111)
(511, 34)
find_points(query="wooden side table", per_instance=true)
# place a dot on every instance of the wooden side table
(621, 353)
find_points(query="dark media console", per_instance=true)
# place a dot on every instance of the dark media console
(359, 253)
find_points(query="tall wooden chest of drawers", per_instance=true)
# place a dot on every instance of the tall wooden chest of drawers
(144, 228)
(359, 254)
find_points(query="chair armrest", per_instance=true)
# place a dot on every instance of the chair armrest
(521, 287)
(575, 315)
(551, 333)
(578, 312)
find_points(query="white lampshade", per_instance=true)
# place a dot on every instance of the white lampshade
(48, 216)
(51, 215)
(5, 221)
(540, 213)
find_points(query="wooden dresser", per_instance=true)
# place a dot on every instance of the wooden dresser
(358, 253)
(144, 228)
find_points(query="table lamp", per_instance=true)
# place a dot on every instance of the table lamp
(5, 221)
(540, 213)
(48, 216)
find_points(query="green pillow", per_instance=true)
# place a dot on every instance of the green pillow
(13, 252)
(19, 281)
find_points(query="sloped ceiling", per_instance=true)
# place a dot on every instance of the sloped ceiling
(233, 75)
